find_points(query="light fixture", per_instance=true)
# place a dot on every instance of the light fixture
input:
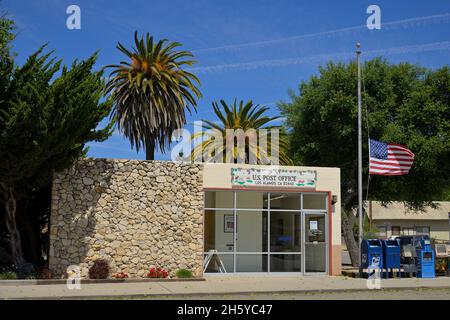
(333, 199)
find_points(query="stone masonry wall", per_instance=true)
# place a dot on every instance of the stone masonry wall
(134, 213)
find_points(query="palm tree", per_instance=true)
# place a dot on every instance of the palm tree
(151, 92)
(250, 118)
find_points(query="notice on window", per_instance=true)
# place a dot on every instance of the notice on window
(313, 225)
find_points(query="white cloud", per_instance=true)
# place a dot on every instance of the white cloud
(434, 46)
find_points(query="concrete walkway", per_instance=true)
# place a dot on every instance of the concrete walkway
(214, 285)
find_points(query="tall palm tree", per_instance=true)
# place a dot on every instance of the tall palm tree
(251, 119)
(151, 92)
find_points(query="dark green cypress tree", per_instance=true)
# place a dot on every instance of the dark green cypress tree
(47, 115)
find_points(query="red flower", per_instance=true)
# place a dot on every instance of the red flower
(120, 275)
(157, 273)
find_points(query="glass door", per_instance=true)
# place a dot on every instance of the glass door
(315, 243)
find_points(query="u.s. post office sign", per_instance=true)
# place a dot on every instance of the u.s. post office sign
(249, 177)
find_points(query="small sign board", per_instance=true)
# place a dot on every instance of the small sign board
(290, 178)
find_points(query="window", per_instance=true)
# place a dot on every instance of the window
(251, 200)
(316, 201)
(284, 201)
(423, 231)
(253, 231)
(218, 199)
(407, 231)
(395, 230)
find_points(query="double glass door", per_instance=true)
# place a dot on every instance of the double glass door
(301, 249)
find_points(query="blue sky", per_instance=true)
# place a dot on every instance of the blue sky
(245, 49)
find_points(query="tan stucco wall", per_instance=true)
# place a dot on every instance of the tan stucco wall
(396, 214)
(439, 229)
(397, 210)
(336, 263)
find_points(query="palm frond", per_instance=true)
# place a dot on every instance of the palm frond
(251, 120)
(151, 91)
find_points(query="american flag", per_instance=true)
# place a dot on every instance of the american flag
(389, 159)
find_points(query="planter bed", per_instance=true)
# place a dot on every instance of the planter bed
(28, 282)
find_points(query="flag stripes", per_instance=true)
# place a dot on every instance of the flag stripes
(389, 158)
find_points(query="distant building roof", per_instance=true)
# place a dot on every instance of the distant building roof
(397, 211)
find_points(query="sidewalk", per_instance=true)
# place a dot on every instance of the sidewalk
(214, 285)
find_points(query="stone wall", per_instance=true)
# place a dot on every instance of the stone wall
(134, 213)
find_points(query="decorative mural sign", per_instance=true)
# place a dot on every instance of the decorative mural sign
(249, 177)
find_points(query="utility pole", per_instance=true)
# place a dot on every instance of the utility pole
(360, 191)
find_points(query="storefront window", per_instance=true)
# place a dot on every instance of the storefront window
(251, 231)
(285, 232)
(251, 262)
(314, 201)
(219, 230)
(219, 262)
(251, 200)
(285, 263)
(219, 199)
(285, 201)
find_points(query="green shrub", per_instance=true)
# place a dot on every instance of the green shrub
(32, 276)
(184, 273)
(8, 275)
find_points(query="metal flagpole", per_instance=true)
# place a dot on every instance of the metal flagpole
(360, 191)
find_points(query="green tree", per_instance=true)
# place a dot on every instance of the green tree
(47, 114)
(151, 92)
(6, 35)
(254, 124)
(406, 104)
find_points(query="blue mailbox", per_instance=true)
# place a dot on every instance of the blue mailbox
(425, 259)
(391, 254)
(371, 253)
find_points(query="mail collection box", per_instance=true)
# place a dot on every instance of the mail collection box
(391, 254)
(425, 259)
(371, 253)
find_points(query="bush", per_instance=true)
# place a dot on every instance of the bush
(32, 276)
(157, 273)
(45, 273)
(184, 273)
(100, 269)
(371, 234)
(26, 271)
(8, 275)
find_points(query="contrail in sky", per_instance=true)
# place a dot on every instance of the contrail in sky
(434, 46)
(385, 25)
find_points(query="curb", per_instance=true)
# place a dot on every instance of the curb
(192, 294)
(91, 281)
